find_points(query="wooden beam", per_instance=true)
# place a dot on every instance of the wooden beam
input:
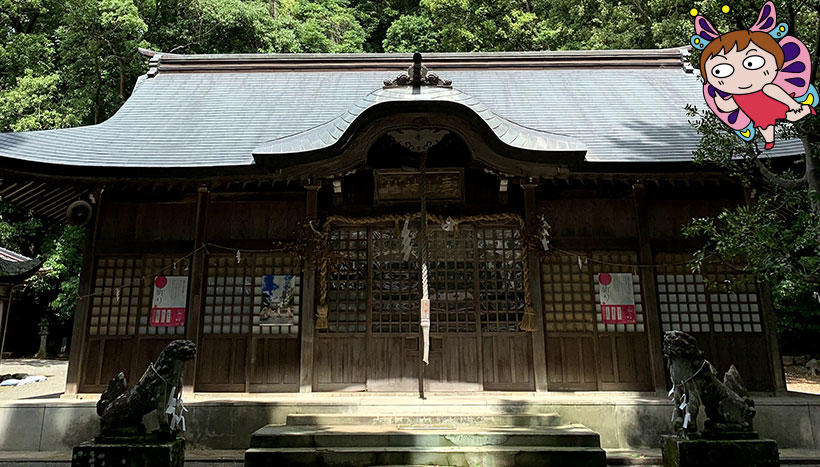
(80, 329)
(308, 297)
(193, 322)
(649, 287)
(539, 345)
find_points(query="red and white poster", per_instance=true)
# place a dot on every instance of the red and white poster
(170, 298)
(617, 298)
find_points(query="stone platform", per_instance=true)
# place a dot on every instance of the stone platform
(720, 453)
(623, 420)
(92, 454)
(440, 438)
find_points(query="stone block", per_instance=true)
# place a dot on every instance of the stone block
(170, 454)
(20, 428)
(679, 452)
(68, 426)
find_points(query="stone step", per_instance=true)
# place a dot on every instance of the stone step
(438, 418)
(367, 436)
(485, 456)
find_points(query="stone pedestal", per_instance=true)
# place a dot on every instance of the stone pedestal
(170, 454)
(749, 452)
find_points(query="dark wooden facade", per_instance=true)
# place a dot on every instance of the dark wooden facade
(599, 223)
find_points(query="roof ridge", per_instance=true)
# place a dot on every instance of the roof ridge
(642, 58)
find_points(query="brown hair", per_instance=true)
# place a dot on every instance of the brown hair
(741, 40)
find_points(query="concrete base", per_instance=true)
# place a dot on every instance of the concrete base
(170, 454)
(679, 452)
(226, 421)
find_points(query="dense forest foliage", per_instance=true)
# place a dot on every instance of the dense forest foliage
(74, 62)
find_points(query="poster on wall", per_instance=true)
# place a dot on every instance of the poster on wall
(278, 300)
(170, 298)
(617, 298)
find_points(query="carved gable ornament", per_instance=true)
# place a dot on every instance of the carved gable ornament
(417, 75)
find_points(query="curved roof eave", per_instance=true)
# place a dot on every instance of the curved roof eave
(337, 131)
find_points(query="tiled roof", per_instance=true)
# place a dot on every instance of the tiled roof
(217, 110)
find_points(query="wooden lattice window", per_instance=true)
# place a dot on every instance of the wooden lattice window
(229, 292)
(567, 295)
(396, 283)
(115, 305)
(277, 265)
(735, 304)
(153, 266)
(347, 281)
(500, 278)
(618, 262)
(714, 301)
(452, 280)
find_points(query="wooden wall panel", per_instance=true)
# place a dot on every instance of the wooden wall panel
(91, 367)
(454, 364)
(571, 364)
(118, 221)
(748, 352)
(668, 216)
(341, 363)
(147, 351)
(394, 363)
(610, 218)
(508, 362)
(221, 363)
(147, 221)
(624, 362)
(274, 365)
(253, 220)
(165, 221)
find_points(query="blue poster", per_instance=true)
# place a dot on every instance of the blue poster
(278, 300)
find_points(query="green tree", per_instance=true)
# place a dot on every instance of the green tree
(775, 235)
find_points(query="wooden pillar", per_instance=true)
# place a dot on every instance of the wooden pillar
(769, 320)
(79, 332)
(193, 321)
(539, 345)
(306, 320)
(649, 287)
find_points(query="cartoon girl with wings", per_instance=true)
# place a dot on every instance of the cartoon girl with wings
(750, 79)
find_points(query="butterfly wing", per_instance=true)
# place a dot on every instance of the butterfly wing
(795, 75)
(704, 28)
(767, 19)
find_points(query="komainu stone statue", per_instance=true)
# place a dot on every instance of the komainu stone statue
(156, 394)
(695, 383)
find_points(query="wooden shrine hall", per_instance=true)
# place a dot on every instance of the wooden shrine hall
(291, 213)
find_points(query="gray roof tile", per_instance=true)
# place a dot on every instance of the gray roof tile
(218, 118)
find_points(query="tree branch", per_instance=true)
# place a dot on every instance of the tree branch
(778, 180)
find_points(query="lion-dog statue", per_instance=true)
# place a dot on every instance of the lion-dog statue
(695, 383)
(121, 409)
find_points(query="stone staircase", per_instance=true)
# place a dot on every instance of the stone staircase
(442, 438)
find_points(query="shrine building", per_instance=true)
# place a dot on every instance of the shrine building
(271, 208)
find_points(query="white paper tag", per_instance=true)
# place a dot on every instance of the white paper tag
(686, 419)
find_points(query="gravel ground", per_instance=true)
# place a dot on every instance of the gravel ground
(53, 386)
(801, 379)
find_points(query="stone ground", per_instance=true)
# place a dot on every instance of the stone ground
(798, 379)
(52, 387)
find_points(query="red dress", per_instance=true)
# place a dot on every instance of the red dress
(762, 109)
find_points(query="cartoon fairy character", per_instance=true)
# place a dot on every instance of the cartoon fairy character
(753, 78)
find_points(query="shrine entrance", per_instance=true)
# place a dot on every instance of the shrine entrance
(477, 300)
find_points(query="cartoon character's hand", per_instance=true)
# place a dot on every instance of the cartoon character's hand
(799, 113)
(795, 106)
